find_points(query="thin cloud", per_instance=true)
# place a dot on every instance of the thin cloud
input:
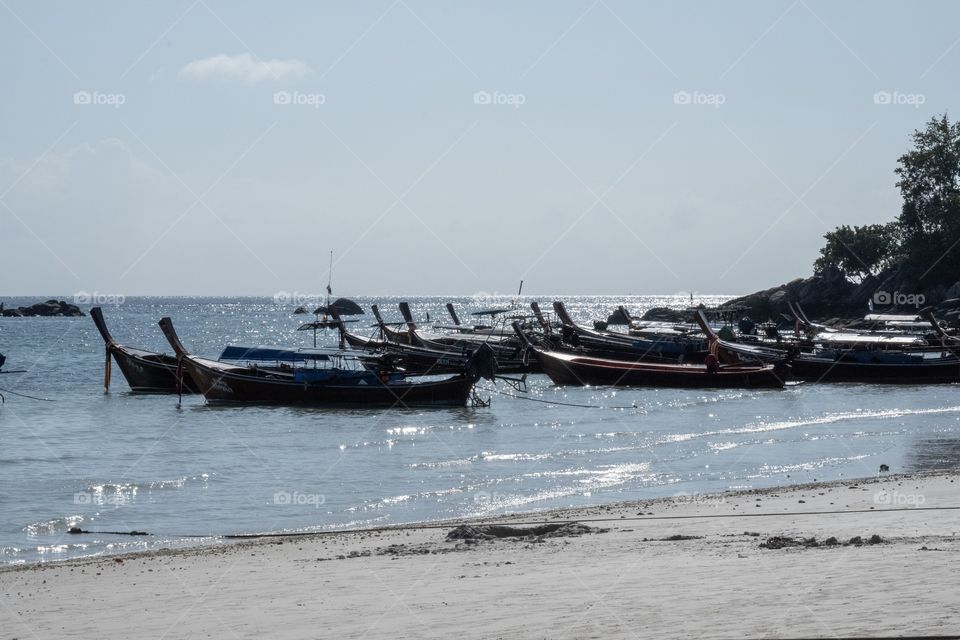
(242, 68)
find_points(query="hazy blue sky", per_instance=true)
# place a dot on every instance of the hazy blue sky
(207, 147)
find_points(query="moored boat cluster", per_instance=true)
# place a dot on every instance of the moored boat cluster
(404, 363)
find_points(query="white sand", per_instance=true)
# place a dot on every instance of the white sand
(608, 585)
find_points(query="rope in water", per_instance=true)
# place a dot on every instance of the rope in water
(24, 395)
(564, 404)
(448, 525)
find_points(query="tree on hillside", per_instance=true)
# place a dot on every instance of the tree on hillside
(856, 251)
(924, 240)
(929, 221)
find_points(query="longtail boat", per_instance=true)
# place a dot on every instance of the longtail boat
(408, 358)
(579, 370)
(853, 363)
(506, 349)
(335, 385)
(847, 368)
(145, 371)
(609, 344)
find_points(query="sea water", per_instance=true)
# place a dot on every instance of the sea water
(191, 473)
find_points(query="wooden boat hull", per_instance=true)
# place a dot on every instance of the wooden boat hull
(148, 372)
(240, 384)
(567, 369)
(145, 371)
(826, 370)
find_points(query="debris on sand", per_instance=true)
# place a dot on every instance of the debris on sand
(496, 531)
(678, 536)
(782, 542)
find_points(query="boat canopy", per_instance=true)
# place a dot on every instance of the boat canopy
(343, 306)
(322, 324)
(891, 317)
(283, 354)
(489, 312)
(869, 339)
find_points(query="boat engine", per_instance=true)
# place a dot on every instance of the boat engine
(482, 363)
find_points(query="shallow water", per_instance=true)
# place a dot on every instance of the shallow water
(121, 462)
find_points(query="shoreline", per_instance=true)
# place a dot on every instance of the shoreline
(867, 557)
(225, 541)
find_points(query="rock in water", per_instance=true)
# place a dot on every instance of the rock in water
(47, 309)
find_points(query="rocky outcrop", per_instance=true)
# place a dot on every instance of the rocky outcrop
(825, 295)
(665, 314)
(50, 308)
(618, 317)
(831, 295)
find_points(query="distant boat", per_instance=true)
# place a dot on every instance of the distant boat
(846, 360)
(145, 371)
(332, 385)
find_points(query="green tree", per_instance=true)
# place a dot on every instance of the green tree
(857, 251)
(929, 181)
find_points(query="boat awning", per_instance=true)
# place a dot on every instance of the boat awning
(489, 312)
(274, 354)
(322, 324)
(852, 338)
(343, 306)
(891, 317)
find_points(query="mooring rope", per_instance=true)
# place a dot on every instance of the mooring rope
(513, 523)
(24, 395)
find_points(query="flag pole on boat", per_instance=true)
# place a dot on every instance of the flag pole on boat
(326, 305)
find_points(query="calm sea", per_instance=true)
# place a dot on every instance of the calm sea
(122, 462)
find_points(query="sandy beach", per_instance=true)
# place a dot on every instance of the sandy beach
(747, 564)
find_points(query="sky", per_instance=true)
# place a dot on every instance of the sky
(586, 147)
